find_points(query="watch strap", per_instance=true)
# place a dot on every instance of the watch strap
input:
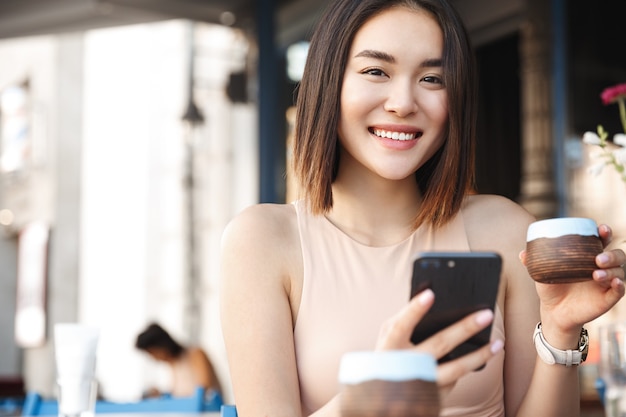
(551, 355)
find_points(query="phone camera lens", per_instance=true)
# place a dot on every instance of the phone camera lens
(429, 263)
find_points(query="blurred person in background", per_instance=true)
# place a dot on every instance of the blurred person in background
(190, 366)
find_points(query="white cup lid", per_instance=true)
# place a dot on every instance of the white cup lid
(562, 226)
(392, 365)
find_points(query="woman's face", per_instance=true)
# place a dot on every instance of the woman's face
(394, 107)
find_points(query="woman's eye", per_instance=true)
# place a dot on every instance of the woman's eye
(433, 79)
(374, 71)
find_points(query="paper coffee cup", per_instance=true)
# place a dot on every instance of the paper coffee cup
(388, 383)
(562, 250)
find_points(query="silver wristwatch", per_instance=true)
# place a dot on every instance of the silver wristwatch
(552, 355)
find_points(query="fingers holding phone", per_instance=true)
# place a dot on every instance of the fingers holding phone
(395, 332)
(463, 283)
(450, 312)
(444, 341)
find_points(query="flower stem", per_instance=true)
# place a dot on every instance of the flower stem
(622, 112)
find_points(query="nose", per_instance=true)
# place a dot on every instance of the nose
(402, 99)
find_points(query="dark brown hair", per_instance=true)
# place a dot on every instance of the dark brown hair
(155, 336)
(446, 178)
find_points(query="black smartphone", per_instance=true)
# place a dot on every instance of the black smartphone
(463, 282)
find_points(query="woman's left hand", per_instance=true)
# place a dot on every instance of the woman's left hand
(570, 306)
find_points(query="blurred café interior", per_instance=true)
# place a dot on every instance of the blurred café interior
(131, 131)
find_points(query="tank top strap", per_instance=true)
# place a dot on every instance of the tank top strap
(450, 237)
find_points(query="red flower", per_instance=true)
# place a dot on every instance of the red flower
(612, 94)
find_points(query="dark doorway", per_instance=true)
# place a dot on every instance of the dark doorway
(597, 61)
(498, 134)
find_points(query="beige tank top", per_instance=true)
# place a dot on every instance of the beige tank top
(350, 289)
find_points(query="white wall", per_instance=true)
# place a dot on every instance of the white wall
(133, 267)
(131, 195)
(118, 95)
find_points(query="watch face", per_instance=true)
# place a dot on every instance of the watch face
(583, 344)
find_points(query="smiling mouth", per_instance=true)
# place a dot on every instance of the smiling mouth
(393, 135)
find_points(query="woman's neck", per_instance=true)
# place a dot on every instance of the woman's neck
(375, 213)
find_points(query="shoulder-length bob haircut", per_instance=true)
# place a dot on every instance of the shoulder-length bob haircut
(448, 176)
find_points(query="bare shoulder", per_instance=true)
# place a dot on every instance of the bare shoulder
(261, 227)
(495, 223)
(262, 241)
(496, 220)
(197, 355)
(489, 205)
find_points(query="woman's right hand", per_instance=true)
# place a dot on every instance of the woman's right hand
(396, 334)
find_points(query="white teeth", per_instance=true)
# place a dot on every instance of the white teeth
(394, 135)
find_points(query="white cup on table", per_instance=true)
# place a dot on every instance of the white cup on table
(75, 357)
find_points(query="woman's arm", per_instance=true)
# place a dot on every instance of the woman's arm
(496, 223)
(532, 387)
(256, 312)
(564, 309)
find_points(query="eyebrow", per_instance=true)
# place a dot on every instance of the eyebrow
(383, 56)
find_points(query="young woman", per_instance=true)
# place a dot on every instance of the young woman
(383, 151)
